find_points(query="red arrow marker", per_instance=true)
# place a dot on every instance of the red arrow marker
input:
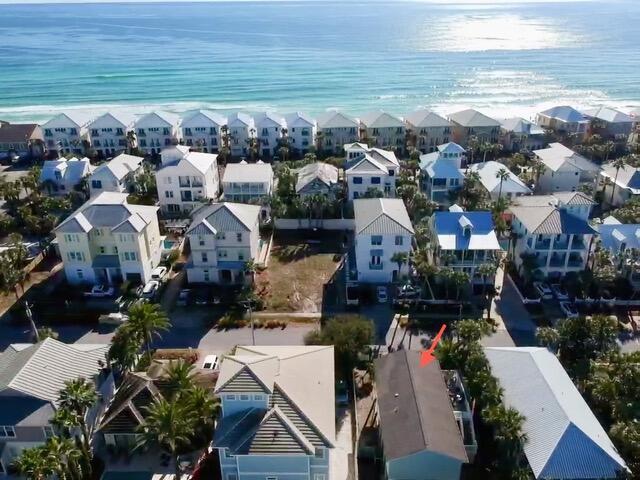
(427, 355)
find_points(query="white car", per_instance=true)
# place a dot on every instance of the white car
(381, 294)
(543, 290)
(210, 362)
(569, 309)
(158, 273)
(99, 291)
(150, 290)
(115, 318)
(559, 292)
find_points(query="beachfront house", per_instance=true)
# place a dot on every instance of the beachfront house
(622, 240)
(472, 123)
(499, 181)
(426, 130)
(117, 175)
(517, 134)
(301, 132)
(186, 179)
(425, 422)
(564, 170)
(157, 130)
(564, 438)
(202, 130)
(372, 173)
(67, 133)
(609, 123)
(32, 377)
(107, 240)
(21, 141)
(620, 185)
(440, 174)
(241, 131)
(61, 176)
(223, 237)
(564, 120)
(248, 183)
(464, 241)
(334, 130)
(383, 130)
(554, 229)
(278, 415)
(382, 229)
(109, 133)
(270, 129)
(317, 178)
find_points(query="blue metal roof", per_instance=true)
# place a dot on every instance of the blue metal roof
(451, 225)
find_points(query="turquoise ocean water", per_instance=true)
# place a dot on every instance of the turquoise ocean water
(315, 55)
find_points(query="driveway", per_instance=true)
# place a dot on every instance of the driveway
(342, 455)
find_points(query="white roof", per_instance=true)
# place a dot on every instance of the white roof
(240, 119)
(609, 115)
(381, 216)
(626, 177)
(488, 176)
(244, 172)
(268, 118)
(336, 120)
(170, 119)
(426, 119)
(299, 119)
(121, 166)
(565, 113)
(380, 119)
(80, 119)
(521, 126)
(557, 155)
(565, 440)
(193, 118)
(367, 164)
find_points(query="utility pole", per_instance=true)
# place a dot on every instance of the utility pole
(34, 329)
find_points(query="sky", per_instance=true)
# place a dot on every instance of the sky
(464, 2)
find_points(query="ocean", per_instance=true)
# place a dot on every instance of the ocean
(310, 56)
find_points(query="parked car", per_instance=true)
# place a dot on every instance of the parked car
(100, 291)
(569, 309)
(543, 290)
(183, 297)
(408, 291)
(158, 273)
(381, 294)
(115, 318)
(559, 292)
(150, 290)
(342, 393)
(210, 362)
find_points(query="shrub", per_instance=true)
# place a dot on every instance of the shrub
(187, 354)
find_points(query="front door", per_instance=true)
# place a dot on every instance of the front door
(225, 276)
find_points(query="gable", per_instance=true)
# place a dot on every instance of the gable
(244, 381)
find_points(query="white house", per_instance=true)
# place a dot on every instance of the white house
(108, 133)
(382, 228)
(564, 169)
(107, 240)
(185, 179)
(157, 130)
(202, 130)
(509, 187)
(242, 130)
(117, 175)
(609, 123)
(554, 229)
(564, 120)
(383, 129)
(426, 130)
(564, 438)
(278, 415)
(301, 131)
(334, 130)
(440, 172)
(625, 181)
(61, 176)
(376, 169)
(464, 241)
(468, 123)
(622, 240)
(518, 134)
(223, 237)
(247, 182)
(67, 133)
(317, 178)
(270, 129)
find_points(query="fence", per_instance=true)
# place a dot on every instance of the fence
(320, 224)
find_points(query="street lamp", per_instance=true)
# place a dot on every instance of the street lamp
(247, 304)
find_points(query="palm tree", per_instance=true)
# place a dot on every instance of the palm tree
(473, 143)
(486, 270)
(131, 141)
(146, 321)
(169, 425)
(400, 258)
(124, 350)
(425, 269)
(65, 455)
(64, 421)
(617, 164)
(460, 279)
(77, 397)
(203, 407)
(179, 377)
(502, 175)
(34, 464)
(250, 268)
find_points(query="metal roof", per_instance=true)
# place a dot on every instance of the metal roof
(415, 409)
(297, 119)
(381, 216)
(442, 168)
(244, 172)
(336, 120)
(564, 438)
(479, 234)
(557, 155)
(626, 177)
(473, 118)
(426, 119)
(212, 117)
(488, 172)
(521, 126)
(226, 217)
(324, 172)
(551, 220)
(380, 119)
(564, 113)
(609, 115)
(120, 166)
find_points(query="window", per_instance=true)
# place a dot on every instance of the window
(230, 397)
(222, 254)
(221, 236)
(319, 452)
(399, 239)
(257, 397)
(239, 237)
(207, 278)
(201, 240)
(319, 476)
(205, 257)
(376, 239)
(48, 431)
(7, 432)
(101, 250)
(375, 180)
(271, 478)
(96, 184)
(244, 398)
(357, 180)
(131, 256)
(230, 476)
(80, 274)
(240, 255)
(168, 194)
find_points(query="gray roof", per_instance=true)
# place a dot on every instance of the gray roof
(40, 370)
(381, 216)
(415, 409)
(551, 220)
(609, 115)
(324, 172)
(380, 119)
(626, 177)
(564, 113)
(557, 155)
(521, 126)
(554, 199)
(224, 217)
(564, 438)
(473, 118)
(244, 172)
(426, 119)
(488, 172)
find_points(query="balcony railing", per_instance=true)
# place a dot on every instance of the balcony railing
(557, 261)
(561, 245)
(575, 262)
(578, 244)
(375, 266)
(543, 244)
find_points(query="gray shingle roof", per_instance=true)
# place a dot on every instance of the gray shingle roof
(473, 118)
(415, 409)
(324, 172)
(381, 216)
(426, 119)
(380, 119)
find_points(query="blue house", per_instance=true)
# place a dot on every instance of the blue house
(278, 413)
(441, 172)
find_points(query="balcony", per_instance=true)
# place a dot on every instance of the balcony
(375, 266)
(196, 182)
(562, 244)
(578, 244)
(557, 260)
(575, 261)
(184, 183)
(542, 261)
(543, 244)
